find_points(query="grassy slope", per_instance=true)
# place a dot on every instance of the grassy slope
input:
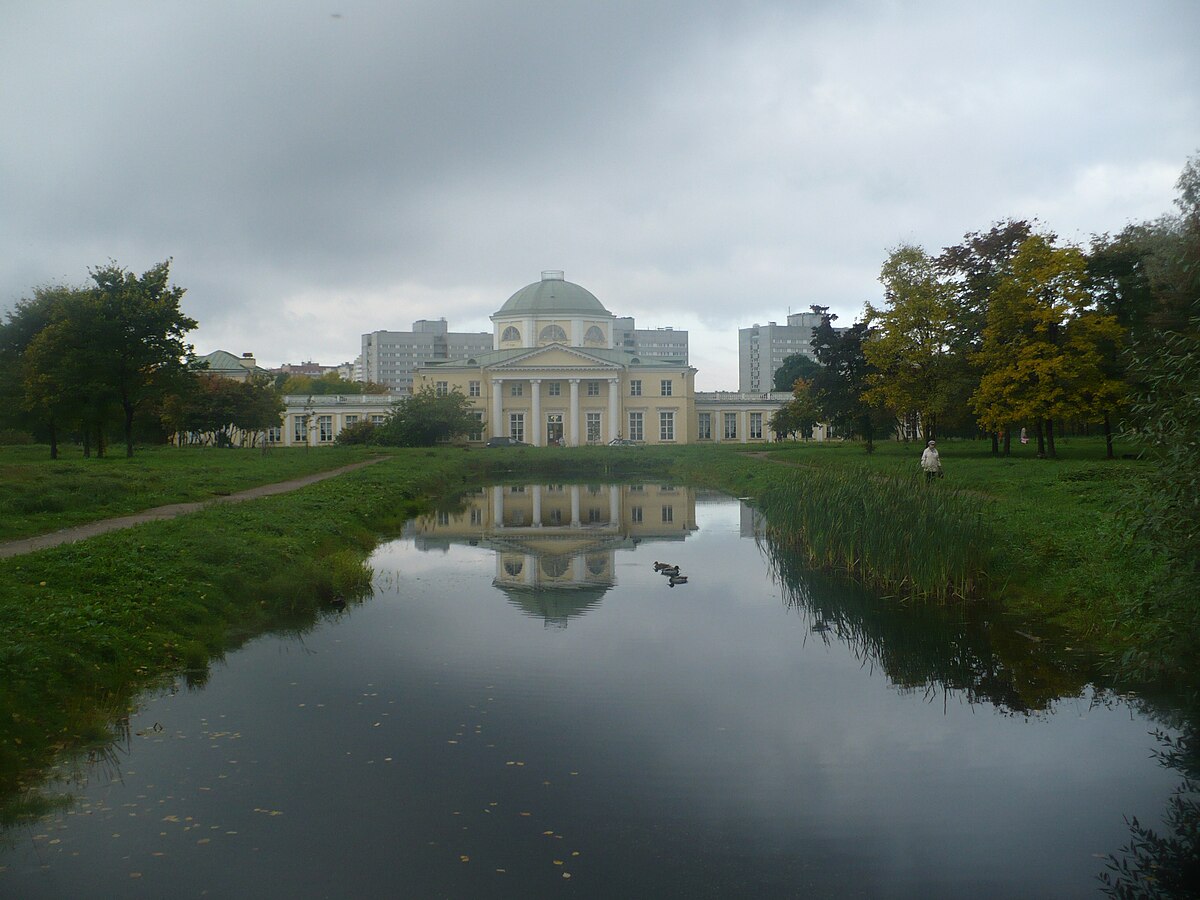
(39, 495)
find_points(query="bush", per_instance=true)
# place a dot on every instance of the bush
(357, 433)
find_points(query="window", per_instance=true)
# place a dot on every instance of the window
(351, 420)
(636, 431)
(476, 515)
(666, 426)
(552, 334)
(594, 514)
(635, 514)
(593, 427)
(516, 426)
(593, 389)
(378, 419)
(517, 389)
(730, 426)
(274, 434)
(473, 389)
(443, 518)
(668, 514)
(510, 334)
(635, 387)
(477, 434)
(756, 425)
(300, 432)
(704, 426)
(665, 387)
(593, 335)
(443, 388)
(554, 389)
(325, 429)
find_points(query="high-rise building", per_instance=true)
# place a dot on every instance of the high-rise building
(763, 348)
(391, 357)
(653, 343)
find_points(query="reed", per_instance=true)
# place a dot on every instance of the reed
(901, 535)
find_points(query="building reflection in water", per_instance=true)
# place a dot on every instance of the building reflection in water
(556, 544)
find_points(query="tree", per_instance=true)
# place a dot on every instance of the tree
(425, 417)
(322, 385)
(799, 415)
(911, 344)
(795, 367)
(973, 268)
(215, 409)
(139, 336)
(1040, 354)
(841, 383)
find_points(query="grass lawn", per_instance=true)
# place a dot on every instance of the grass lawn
(39, 495)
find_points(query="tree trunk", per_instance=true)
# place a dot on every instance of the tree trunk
(1041, 436)
(101, 447)
(53, 441)
(995, 444)
(1108, 447)
(1050, 439)
(128, 429)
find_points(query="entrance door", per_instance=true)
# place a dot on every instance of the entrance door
(554, 429)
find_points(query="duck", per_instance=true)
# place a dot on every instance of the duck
(659, 566)
(672, 571)
(677, 579)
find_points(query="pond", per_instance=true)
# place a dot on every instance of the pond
(524, 707)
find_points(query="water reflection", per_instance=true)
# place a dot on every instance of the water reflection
(555, 544)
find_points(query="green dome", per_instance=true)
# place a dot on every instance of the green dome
(553, 295)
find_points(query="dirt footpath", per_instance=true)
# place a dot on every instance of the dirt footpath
(91, 529)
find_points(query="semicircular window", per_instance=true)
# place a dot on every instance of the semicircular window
(553, 334)
(511, 334)
(597, 565)
(513, 567)
(593, 335)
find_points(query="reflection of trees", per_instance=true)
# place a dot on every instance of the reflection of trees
(924, 647)
(1164, 862)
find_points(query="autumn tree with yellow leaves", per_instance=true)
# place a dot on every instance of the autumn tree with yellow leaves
(1041, 355)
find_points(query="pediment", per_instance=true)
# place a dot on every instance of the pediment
(556, 356)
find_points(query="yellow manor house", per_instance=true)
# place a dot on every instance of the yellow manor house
(556, 375)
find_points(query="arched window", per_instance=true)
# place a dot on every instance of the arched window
(513, 567)
(593, 335)
(552, 334)
(555, 566)
(511, 334)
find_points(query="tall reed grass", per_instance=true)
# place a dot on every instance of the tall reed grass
(905, 536)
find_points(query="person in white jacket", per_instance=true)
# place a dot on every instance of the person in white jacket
(931, 463)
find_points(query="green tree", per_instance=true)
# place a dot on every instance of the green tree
(140, 337)
(841, 384)
(215, 409)
(323, 385)
(911, 344)
(425, 417)
(795, 367)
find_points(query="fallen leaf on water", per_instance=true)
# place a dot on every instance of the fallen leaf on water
(566, 874)
(558, 862)
(547, 833)
(464, 858)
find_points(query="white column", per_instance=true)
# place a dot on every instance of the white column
(497, 428)
(577, 332)
(535, 427)
(531, 562)
(574, 416)
(578, 573)
(530, 337)
(614, 505)
(574, 506)
(614, 407)
(537, 506)
(745, 426)
(497, 507)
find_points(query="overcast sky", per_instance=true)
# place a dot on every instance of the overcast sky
(320, 170)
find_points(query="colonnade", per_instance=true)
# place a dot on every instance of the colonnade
(536, 433)
(614, 506)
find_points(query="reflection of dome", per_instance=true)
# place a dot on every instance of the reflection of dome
(554, 606)
(553, 295)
